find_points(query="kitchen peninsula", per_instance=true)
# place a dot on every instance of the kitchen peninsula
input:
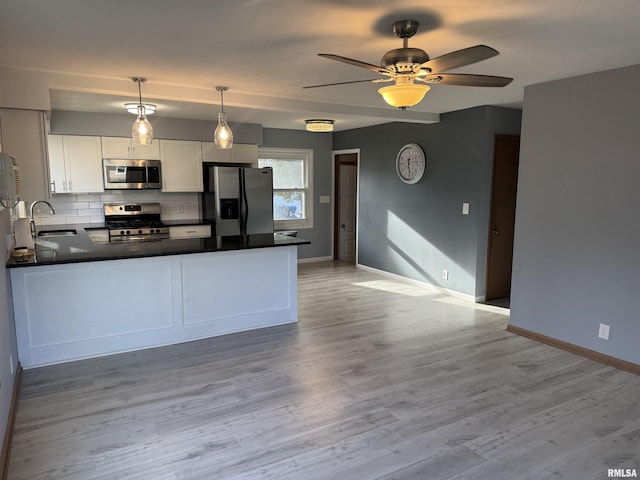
(77, 299)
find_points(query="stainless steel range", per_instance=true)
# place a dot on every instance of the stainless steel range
(128, 222)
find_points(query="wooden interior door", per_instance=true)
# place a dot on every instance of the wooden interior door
(502, 217)
(346, 195)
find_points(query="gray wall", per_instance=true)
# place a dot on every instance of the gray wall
(418, 230)
(7, 330)
(577, 238)
(320, 143)
(116, 125)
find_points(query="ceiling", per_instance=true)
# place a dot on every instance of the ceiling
(265, 51)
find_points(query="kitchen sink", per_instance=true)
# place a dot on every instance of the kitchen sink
(67, 232)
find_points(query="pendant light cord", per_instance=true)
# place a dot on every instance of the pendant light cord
(139, 92)
(222, 90)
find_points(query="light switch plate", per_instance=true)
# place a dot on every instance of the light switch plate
(603, 332)
(325, 199)
(465, 208)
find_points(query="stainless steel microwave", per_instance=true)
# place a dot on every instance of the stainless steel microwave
(129, 174)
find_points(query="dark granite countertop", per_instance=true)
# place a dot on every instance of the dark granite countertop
(79, 248)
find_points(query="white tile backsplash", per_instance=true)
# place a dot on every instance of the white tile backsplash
(72, 209)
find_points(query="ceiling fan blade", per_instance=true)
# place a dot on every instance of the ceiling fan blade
(459, 58)
(357, 63)
(467, 80)
(340, 83)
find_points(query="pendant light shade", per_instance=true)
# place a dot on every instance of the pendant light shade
(141, 131)
(223, 136)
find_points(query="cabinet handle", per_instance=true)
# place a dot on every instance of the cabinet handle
(68, 186)
(131, 151)
(53, 187)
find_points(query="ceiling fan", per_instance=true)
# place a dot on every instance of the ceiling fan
(405, 66)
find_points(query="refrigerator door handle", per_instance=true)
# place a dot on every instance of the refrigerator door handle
(245, 206)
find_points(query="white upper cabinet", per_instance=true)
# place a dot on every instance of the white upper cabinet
(181, 166)
(244, 153)
(239, 153)
(57, 172)
(75, 164)
(211, 153)
(125, 147)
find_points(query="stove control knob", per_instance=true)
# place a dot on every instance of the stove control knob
(121, 232)
(140, 231)
(128, 232)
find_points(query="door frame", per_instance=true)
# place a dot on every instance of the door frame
(334, 188)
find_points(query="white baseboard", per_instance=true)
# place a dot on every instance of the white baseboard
(418, 283)
(315, 259)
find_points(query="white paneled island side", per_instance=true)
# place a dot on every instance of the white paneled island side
(72, 310)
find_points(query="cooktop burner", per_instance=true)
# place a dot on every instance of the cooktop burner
(135, 223)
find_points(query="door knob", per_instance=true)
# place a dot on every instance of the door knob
(496, 231)
(343, 226)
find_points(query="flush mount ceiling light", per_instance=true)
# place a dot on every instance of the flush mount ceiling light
(319, 125)
(133, 108)
(223, 136)
(142, 131)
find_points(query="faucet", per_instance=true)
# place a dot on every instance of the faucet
(32, 223)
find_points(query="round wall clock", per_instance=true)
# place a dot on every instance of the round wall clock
(410, 163)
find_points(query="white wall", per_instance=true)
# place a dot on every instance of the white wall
(577, 239)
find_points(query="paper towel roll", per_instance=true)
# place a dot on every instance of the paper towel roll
(22, 234)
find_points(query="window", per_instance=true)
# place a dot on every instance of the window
(292, 182)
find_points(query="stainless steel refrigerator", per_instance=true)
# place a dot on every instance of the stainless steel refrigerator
(238, 200)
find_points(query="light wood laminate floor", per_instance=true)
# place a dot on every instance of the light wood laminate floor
(379, 380)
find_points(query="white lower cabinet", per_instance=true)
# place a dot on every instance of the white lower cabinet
(181, 166)
(75, 164)
(190, 231)
(60, 312)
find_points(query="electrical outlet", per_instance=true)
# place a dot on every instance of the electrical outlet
(603, 332)
(465, 208)
(445, 274)
(11, 363)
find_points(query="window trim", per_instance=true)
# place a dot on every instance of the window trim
(306, 155)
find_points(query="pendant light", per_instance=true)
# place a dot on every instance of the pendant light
(223, 136)
(142, 131)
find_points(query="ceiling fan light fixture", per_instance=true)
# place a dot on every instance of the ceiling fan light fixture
(223, 136)
(403, 95)
(319, 125)
(141, 131)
